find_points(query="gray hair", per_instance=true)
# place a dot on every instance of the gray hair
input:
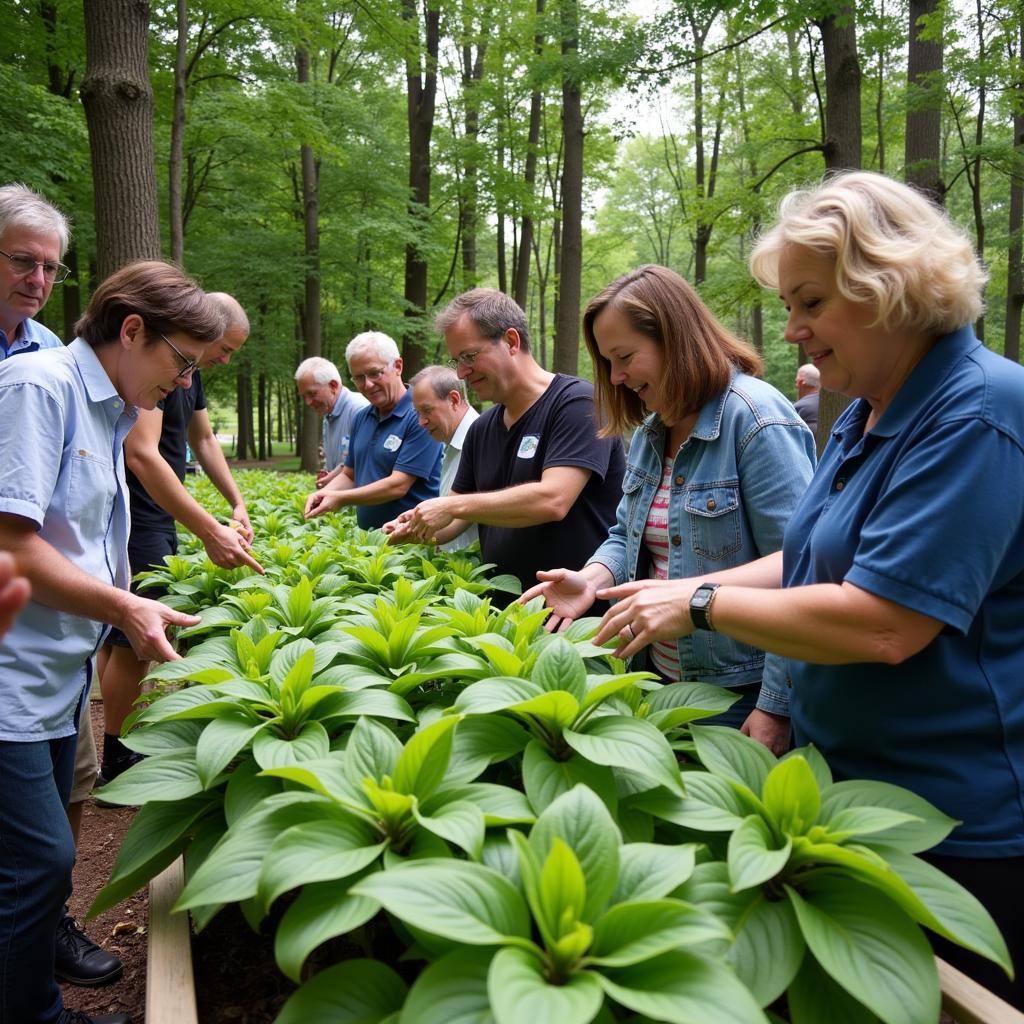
(492, 312)
(809, 375)
(234, 314)
(376, 342)
(323, 371)
(23, 208)
(442, 379)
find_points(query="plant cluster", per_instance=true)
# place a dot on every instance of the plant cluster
(536, 832)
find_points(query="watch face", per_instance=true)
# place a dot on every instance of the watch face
(701, 598)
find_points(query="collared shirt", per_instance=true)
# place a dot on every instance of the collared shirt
(925, 510)
(449, 467)
(383, 445)
(338, 426)
(31, 336)
(62, 468)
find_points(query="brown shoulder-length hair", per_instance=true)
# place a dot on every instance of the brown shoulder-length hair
(160, 293)
(700, 354)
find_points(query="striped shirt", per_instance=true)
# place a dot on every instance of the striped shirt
(664, 653)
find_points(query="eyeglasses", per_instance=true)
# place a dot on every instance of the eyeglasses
(22, 264)
(466, 359)
(191, 365)
(359, 379)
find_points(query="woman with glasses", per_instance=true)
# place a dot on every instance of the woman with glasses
(716, 466)
(63, 515)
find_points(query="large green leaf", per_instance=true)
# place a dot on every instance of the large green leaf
(372, 751)
(683, 988)
(559, 667)
(546, 778)
(768, 949)
(621, 742)
(452, 990)
(753, 856)
(421, 765)
(583, 823)
(650, 871)
(731, 755)
(556, 709)
(681, 703)
(501, 805)
(353, 992)
(913, 836)
(321, 911)
(221, 741)
(376, 702)
(495, 694)
(520, 992)
(710, 805)
(631, 932)
(814, 997)
(870, 947)
(164, 737)
(163, 777)
(460, 822)
(272, 750)
(457, 900)
(483, 740)
(791, 796)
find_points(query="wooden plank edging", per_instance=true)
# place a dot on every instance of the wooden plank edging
(170, 987)
(967, 1002)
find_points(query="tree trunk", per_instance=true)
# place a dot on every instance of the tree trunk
(472, 76)
(922, 150)
(1015, 256)
(421, 93)
(521, 289)
(244, 448)
(842, 88)
(261, 420)
(310, 316)
(118, 102)
(176, 159)
(570, 266)
(975, 177)
(71, 293)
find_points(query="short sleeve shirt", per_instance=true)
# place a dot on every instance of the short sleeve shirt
(559, 429)
(62, 469)
(178, 408)
(338, 427)
(927, 510)
(383, 445)
(31, 336)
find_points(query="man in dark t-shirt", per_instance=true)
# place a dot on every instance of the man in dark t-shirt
(534, 475)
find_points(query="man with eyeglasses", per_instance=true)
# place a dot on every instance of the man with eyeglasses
(534, 476)
(393, 463)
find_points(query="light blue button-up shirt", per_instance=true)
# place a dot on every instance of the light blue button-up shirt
(62, 468)
(449, 468)
(338, 426)
(32, 337)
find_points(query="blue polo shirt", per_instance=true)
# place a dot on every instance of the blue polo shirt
(927, 510)
(379, 446)
(62, 469)
(32, 337)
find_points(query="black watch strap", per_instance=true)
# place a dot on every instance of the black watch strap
(700, 606)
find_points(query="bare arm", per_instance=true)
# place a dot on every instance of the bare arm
(58, 583)
(142, 455)
(342, 491)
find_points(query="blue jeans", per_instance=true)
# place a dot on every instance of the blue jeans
(37, 854)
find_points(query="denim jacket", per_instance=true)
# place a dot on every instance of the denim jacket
(736, 482)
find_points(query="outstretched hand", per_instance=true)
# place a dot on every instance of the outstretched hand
(568, 594)
(145, 624)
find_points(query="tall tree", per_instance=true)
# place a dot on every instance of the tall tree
(1015, 255)
(922, 147)
(842, 89)
(174, 164)
(118, 102)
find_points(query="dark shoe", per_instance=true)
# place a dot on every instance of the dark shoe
(110, 770)
(77, 1017)
(79, 961)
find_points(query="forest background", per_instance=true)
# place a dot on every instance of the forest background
(343, 166)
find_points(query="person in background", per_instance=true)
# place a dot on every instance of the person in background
(717, 464)
(808, 391)
(64, 517)
(439, 398)
(319, 385)
(393, 463)
(898, 596)
(534, 475)
(156, 453)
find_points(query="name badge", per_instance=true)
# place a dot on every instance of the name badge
(528, 446)
(392, 443)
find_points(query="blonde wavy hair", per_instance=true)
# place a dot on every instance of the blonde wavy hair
(894, 250)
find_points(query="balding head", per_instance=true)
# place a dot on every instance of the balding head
(236, 330)
(808, 380)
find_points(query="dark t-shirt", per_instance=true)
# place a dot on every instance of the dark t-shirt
(559, 429)
(178, 408)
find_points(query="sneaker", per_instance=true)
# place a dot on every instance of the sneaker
(78, 960)
(110, 770)
(78, 1017)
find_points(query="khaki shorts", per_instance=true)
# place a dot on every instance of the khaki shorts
(85, 758)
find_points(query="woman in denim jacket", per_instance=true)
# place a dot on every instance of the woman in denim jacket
(715, 469)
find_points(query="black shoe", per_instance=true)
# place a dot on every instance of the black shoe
(79, 961)
(77, 1017)
(110, 770)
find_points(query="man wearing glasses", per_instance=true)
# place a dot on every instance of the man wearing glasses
(393, 463)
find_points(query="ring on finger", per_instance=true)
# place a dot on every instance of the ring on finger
(629, 627)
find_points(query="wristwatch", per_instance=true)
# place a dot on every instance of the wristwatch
(700, 605)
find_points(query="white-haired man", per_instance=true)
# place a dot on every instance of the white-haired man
(808, 391)
(393, 463)
(319, 385)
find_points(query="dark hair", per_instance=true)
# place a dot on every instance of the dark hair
(699, 353)
(160, 294)
(492, 312)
